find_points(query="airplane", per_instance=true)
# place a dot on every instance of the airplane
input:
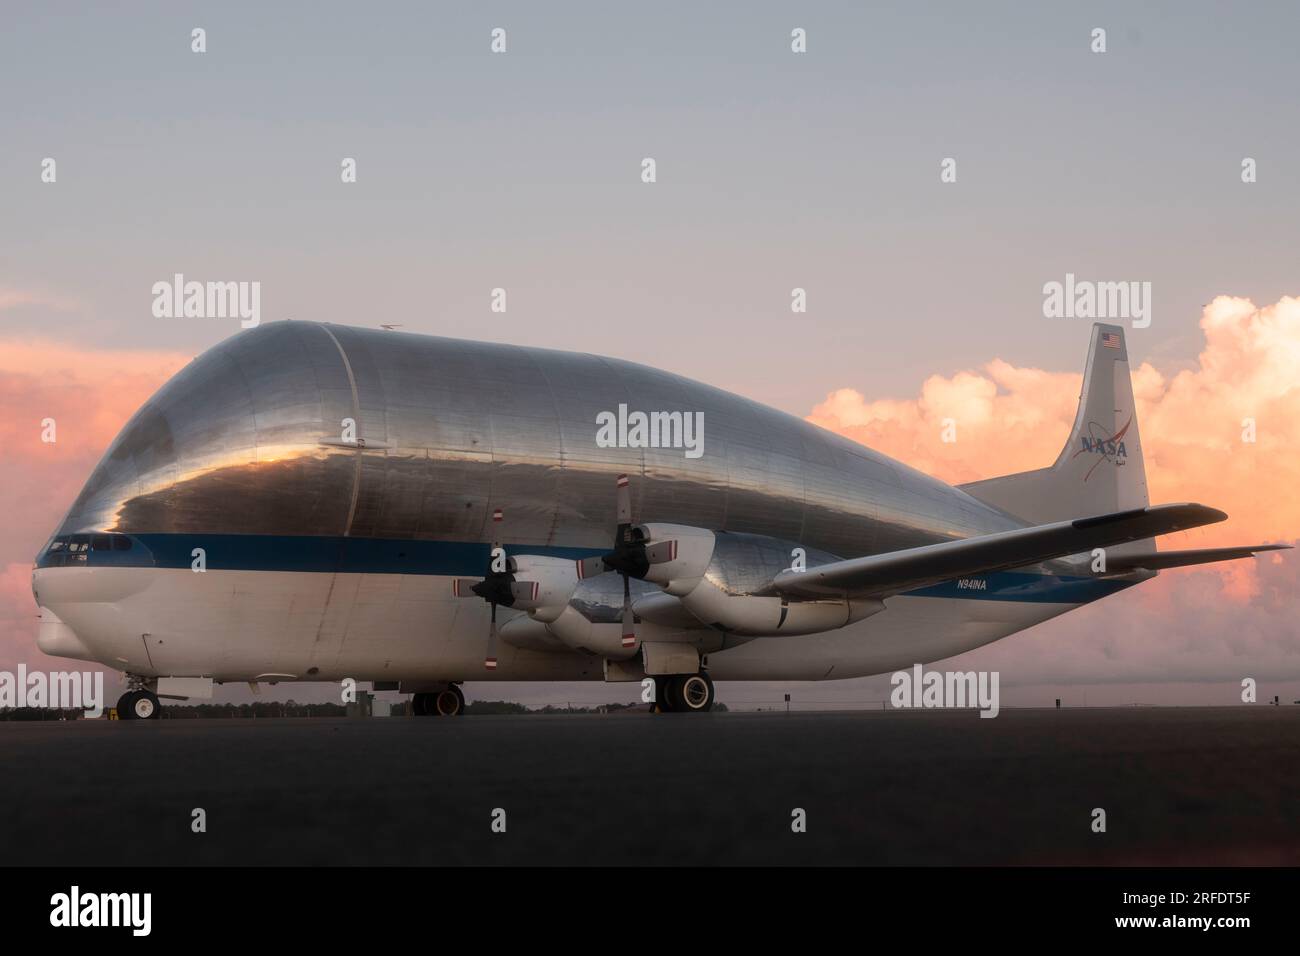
(316, 502)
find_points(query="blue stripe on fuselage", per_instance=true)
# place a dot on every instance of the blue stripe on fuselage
(239, 552)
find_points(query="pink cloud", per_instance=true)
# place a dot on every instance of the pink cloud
(1217, 622)
(1015, 419)
(13, 298)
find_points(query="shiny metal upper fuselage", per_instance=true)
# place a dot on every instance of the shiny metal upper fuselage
(247, 440)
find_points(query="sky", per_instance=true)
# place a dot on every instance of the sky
(775, 170)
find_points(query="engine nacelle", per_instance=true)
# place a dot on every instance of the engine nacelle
(725, 580)
(722, 579)
(756, 615)
(692, 550)
(553, 579)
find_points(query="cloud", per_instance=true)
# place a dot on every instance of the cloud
(1210, 623)
(1012, 419)
(12, 299)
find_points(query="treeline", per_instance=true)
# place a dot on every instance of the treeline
(265, 709)
(274, 709)
(38, 713)
(509, 707)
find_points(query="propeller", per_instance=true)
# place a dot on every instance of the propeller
(631, 557)
(498, 586)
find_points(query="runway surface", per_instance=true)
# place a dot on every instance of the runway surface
(1179, 786)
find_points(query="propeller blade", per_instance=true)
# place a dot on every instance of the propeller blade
(629, 619)
(464, 587)
(590, 567)
(490, 662)
(498, 516)
(624, 501)
(661, 552)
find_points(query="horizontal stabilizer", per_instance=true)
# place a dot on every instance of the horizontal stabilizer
(881, 575)
(1160, 560)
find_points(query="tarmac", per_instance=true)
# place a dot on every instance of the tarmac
(1179, 786)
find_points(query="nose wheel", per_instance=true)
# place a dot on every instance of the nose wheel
(138, 705)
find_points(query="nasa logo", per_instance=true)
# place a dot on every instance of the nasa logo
(1108, 447)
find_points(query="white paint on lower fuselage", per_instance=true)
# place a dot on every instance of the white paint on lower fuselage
(239, 625)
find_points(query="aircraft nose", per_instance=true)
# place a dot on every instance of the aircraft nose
(59, 640)
(233, 444)
(80, 583)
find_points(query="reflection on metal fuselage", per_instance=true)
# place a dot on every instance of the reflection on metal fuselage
(327, 560)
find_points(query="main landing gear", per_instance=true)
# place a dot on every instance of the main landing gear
(684, 693)
(443, 703)
(138, 705)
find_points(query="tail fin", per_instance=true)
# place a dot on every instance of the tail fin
(1100, 470)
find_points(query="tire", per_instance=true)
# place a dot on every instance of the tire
(144, 706)
(124, 711)
(666, 694)
(447, 703)
(661, 703)
(694, 693)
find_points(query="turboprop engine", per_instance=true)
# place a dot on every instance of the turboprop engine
(709, 583)
(725, 580)
(552, 581)
(583, 615)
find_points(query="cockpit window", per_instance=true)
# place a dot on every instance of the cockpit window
(75, 548)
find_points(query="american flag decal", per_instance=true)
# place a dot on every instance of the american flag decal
(1110, 340)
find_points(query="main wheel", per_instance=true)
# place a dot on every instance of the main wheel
(663, 699)
(443, 703)
(448, 703)
(693, 693)
(124, 705)
(140, 705)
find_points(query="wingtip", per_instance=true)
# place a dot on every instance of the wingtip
(1216, 514)
(1204, 513)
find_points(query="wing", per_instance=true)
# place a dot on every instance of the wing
(881, 575)
(1158, 560)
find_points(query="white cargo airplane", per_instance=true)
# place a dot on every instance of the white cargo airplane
(310, 502)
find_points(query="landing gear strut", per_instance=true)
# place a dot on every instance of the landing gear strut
(684, 693)
(442, 703)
